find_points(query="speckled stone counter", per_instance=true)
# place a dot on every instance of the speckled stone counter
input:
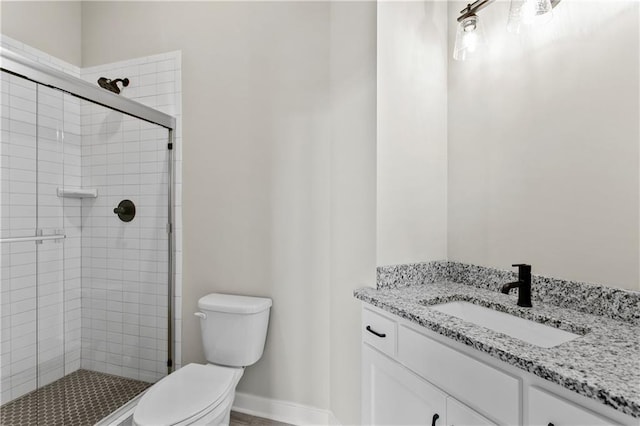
(602, 364)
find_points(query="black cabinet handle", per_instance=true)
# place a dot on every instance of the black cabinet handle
(433, 420)
(370, 330)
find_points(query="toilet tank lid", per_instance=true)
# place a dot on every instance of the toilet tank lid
(232, 303)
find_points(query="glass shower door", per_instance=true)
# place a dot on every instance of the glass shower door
(84, 291)
(51, 274)
(124, 279)
(50, 254)
(40, 285)
(17, 219)
(18, 253)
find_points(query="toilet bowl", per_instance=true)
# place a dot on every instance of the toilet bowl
(195, 394)
(234, 330)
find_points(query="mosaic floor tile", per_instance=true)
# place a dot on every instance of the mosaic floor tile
(81, 398)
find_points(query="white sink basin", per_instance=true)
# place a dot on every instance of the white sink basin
(529, 331)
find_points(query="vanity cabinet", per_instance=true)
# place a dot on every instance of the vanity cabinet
(412, 376)
(396, 396)
(393, 394)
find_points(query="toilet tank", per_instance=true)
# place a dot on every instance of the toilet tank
(234, 328)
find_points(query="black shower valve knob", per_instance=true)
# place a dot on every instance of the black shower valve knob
(126, 210)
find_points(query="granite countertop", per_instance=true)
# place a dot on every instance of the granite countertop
(602, 364)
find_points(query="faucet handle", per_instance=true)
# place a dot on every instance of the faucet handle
(524, 271)
(524, 285)
(522, 268)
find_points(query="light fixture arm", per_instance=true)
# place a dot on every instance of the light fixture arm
(478, 5)
(472, 8)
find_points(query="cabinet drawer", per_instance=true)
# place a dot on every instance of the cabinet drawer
(494, 393)
(545, 409)
(379, 331)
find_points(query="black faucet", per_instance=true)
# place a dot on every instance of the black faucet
(523, 284)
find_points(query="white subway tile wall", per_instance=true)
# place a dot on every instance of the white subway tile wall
(124, 264)
(101, 297)
(128, 158)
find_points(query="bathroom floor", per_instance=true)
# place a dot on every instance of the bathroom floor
(81, 398)
(240, 419)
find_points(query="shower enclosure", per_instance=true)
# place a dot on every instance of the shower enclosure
(86, 285)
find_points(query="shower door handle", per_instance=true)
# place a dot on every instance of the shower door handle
(36, 238)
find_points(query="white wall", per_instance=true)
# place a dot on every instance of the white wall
(544, 145)
(412, 132)
(256, 168)
(50, 26)
(269, 180)
(353, 193)
(124, 264)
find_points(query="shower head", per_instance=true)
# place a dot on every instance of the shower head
(112, 85)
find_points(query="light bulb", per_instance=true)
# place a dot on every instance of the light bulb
(469, 39)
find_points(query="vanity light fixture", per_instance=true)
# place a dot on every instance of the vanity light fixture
(469, 38)
(522, 13)
(529, 13)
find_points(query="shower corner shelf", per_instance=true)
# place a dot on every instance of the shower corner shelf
(77, 193)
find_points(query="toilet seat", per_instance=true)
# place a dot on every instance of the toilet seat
(186, 395)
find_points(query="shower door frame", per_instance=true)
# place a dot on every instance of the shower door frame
(31, 70)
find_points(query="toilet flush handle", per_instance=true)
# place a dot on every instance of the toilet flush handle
(200, 315)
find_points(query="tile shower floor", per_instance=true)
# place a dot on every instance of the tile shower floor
(81, 398)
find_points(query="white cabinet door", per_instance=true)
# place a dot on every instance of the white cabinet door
(459, 414)
(392, 395)
(546, 409)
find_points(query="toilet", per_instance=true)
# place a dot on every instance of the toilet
(234, 330)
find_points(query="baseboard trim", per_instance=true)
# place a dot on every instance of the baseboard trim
(282, 411)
